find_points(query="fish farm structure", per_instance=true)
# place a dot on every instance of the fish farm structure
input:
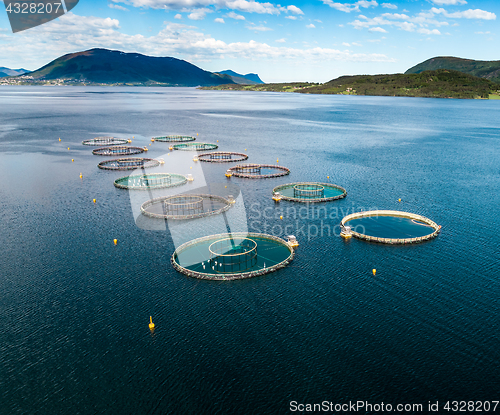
(150, 181)
(390, 227)
(105, 141)
(310, 192)
(117, 150)
(195, 146)
(130, 163)
(186, 206)
(258, 171)
(222, 157)
(174, 138)
(232, 256)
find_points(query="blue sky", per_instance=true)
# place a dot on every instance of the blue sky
(286, 41)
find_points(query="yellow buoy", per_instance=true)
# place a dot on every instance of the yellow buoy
(59, 139)
(281, 217)
(374, 271)
(115, 241)
(196, 133)
(68, 148)
(225, 187)
(149, 143)
(151, 324)
(217, 140)
(245, 149)
(327, 177)
(93, 200)
(81, 175)
(191, 167)
(277, 160)
(72, 160)
(399, 200)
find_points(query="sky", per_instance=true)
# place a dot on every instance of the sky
(313, 40)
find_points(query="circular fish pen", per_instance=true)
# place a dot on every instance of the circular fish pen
(232, 256)
(187, 206)
(195, 146)
(258, 171)
(117, 150)
(131, 163)
(390, 227)
(150, 181)
(174, 138)
(310, 192)
(222, 157)
(105, 141)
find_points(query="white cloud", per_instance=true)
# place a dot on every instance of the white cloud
(482, 33)
(282, 40)
(428, 31)
(345, 44)
(389, 6)
(259, 28)
(310, 26)
(236, 16)
(317, 20)
(467, 14)
(448, 2)
(291, 17)
(118, 7)
(356, 44)
(377, 29)
(199, 14)
(219, 20)
(178, 16)
(350, 7)
(294, 9)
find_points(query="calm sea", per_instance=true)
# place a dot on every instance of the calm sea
(75, 309)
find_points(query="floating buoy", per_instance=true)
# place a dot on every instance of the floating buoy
(153, 140)
(72, 160)
(68, 148)
(191, 167)
(399, 200)
(94, 202)
(59, 139)
(225, 187)
(327, 177)
(151, 324)
(245, 149)
(81, 175)
(196, 133)
(217, 140)
(281, 217)
(149, 143)
(277, 160)
(374, 271)
(115, 241)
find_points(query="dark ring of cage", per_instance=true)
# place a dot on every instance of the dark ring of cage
(174, 138)
(195, 146)
(128, 163)
(222, 157)
(308, 191)
(183, 205)
(150, 181)
(101, 141)
(117, 150)
(253, 171)
(227, 257)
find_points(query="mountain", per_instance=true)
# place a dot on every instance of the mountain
(483, 69)
(11, 72)
(105, 66)
(248, 79)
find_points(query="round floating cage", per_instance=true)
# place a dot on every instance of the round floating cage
(174, 138)
(131, 163)
(310, 192)
(258, 171)
(390, 227)
(105, 141)
(222, 157)
(186, 206)
(232, 256)
(150, 181)
(195, 146)
(117, 151)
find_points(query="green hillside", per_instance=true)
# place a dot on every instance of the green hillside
(483, 69)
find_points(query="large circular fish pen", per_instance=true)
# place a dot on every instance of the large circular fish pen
(258, 171)
(195, 146)
(131, 163)
(232, 256)
(222, 157)
(310, 192)
(105, 141)
(186, 206)
(117, 150)
(174, 138)
(390, 227)
(150, 181)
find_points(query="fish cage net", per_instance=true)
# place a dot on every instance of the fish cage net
(174, 138)
(128, 163)
(186, 206)
(222, 157)
(230, 255)
(308, 191)
(117, 150)
(150, 181)
(195, 146)
(103, 141)
(258, 171)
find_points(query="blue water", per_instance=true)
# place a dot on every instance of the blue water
(75, 308)
(390, 227)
